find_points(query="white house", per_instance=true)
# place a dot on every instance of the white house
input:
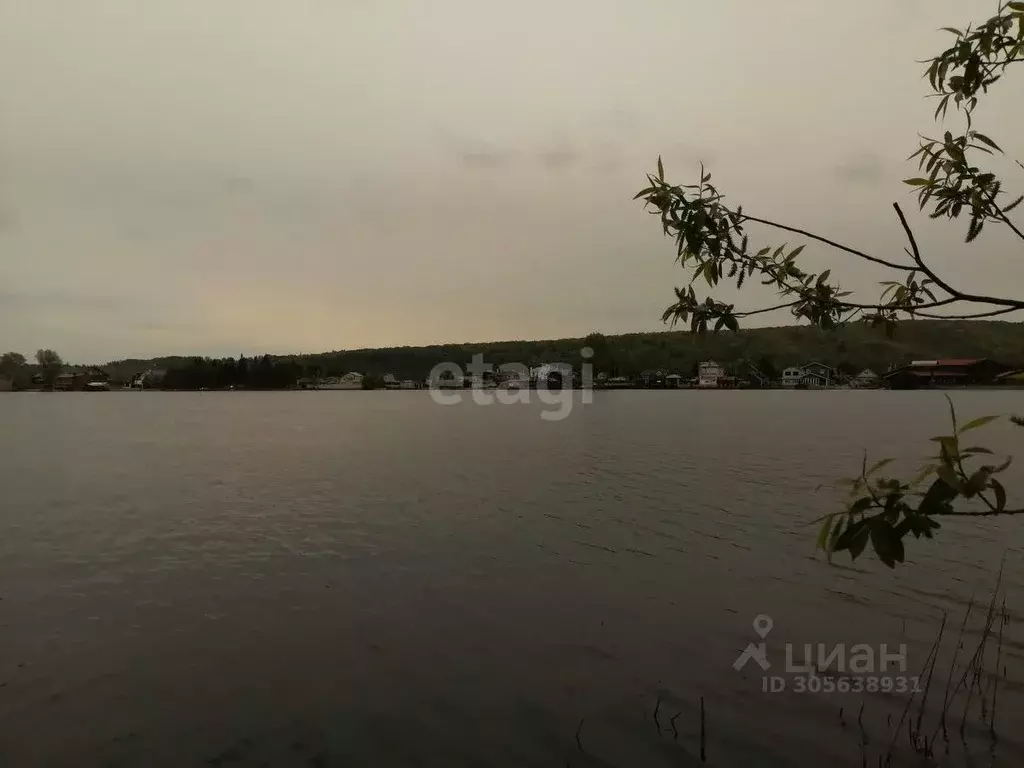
(791, 377)
(811, 376)
(348, 381)
(817, 376)
(866, 379)
(446, 379)
(390, 382)
(552, 373)
(709, 374)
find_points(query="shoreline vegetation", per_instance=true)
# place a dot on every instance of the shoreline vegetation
(758, 358)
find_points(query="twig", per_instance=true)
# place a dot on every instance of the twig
(766, 309)
(910, 700)
(579, 730)
(675, 731)
(703, 736)
(972, 316)
(833, 243)
(979, 652)
(995, 682)
(916, 253)
(952, 669)
(1005, 219)
(928, 682)
(990, 513)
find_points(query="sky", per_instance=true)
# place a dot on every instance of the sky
(226, 177)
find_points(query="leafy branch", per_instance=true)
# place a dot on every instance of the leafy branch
(713, 243)
(883, 510)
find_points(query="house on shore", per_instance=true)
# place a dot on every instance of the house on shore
(151, 379)
(674, 381)
(79, 381)
(966, 372)
(811, 376)
(616, 382)
(653, 379)
(446, 380)
(791, 377)
(348, 381)
(817, 376)
(866, 379)
(710, 375)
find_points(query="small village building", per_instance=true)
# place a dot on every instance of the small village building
(710, 375)
(961, 372)
(817, 376)
(791, 377)
(866, 379)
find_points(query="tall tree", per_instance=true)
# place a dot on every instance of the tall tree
(11, 363)
(49, 363)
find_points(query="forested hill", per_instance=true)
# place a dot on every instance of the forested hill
(853, 347)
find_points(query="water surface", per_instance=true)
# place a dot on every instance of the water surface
(369, 579)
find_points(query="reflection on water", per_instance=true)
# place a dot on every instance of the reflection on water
(325, 578)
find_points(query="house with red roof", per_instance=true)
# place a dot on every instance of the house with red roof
(957, 372)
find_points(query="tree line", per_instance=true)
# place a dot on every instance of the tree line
(15, 368)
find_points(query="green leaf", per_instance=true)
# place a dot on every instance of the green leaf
(878, 465)
(987, 141)
(1002, 467)
(796, 252)
(661, 170)
(824, 276)
(977, 482)
(852, 531)
(859, 540)
(917, 182)
(834, 537)
(974, 451)
(1019, 7)
(860, 505)
(1000, 493)
(922, 475)
(937, 499)
(949, 477)
(975, 423)
(950, 447)
(887, 543)
(826, 527)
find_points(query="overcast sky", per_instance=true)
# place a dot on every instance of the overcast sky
(245, 176)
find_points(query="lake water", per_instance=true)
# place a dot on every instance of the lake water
(372, 579)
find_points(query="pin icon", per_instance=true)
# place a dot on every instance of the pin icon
(763, 625)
